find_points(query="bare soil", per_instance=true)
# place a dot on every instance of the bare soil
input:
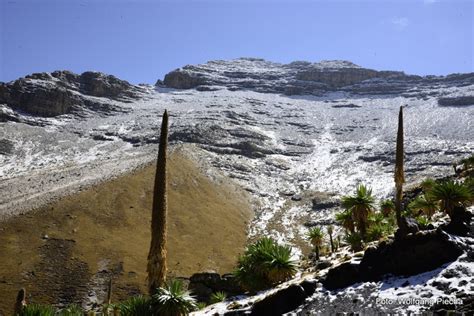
(66, 251)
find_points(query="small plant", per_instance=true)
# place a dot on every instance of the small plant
(217, 297)
(136, 306)
(263, 264)
(423, 221)
(450, 194)
(424, 204)
(375, 232)
(37, 310)
(387, 207)
(201, 305)
(355, 241)
(71, 310)
(173, 300)
(315, 236)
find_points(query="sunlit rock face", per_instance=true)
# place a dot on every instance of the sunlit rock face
(62, 92)
(300, 77)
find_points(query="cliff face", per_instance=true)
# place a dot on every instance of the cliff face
(61, 92)
(299, 78)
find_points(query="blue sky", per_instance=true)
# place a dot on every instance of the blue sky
(141, 41)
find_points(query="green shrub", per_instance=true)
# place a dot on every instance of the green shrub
(264, 263)
(173, 300)
(375, 232)
(71, 310)
(217, 297)
(136, 306)
(427, 184)
(423, 221)
(424, 204)
(201, 305)
(355, 241)
(450, 194)
(387, 207)
(38, 310)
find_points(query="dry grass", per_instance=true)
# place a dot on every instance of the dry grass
(105, 231)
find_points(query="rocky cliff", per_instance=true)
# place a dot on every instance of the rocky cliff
(62, 92)
(300, 78)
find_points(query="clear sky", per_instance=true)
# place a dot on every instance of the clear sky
(140, 41)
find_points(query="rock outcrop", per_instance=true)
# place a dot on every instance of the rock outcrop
(414, 254)
(304, 78)
(62, 92)
(202, 285)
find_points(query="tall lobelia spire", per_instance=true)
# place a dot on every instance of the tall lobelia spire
(157, 256)
(399, 173)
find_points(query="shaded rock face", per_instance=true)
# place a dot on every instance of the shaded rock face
(202, 285)
(414, 254)
(457, 101)
(342, 276)
(62, 92)
(303, 78)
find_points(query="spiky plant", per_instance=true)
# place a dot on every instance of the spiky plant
(71, 310)
(399, 172)
(263, 264)
(173, 300)
(427, 184)
(450, 194)
(201, 305)
(423, 204)
(355, 241)
(330, 231)
(157, 255)
(37, 310)
(217, 297)
(345, 220)
(315, 236)
(375, 232)
(423, 221)
(387, 207)
(361, 205)
(136, 306)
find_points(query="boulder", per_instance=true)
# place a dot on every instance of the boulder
(460, 222)
(413, 254)
(281, 302)
(341, 276)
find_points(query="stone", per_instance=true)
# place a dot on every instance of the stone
(283, 301)
(341, 276)
(413, 254)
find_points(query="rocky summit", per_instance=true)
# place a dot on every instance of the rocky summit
(306, 78)
(62, 92)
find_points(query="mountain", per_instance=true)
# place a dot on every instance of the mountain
(303, 78)
(295, 137)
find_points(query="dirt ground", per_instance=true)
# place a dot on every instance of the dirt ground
(67, 251)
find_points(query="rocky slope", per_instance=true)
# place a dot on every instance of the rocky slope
(303, 78)
(62, 92)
